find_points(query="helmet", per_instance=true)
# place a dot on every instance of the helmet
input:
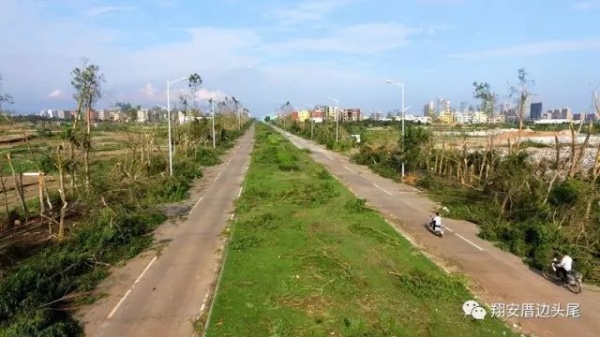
(437, 213)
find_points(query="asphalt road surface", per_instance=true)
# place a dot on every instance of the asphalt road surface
(171, 290)
(498, 276)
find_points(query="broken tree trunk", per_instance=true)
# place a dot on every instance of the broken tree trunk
(63, 197)
(577, 162)
(18, 187)
(41, 197)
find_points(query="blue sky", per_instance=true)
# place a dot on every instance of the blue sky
(267, 52)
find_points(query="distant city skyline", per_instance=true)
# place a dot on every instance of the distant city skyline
(265, 53)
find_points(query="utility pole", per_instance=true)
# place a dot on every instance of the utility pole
(169, 83)
(401, 85)
(214, 139)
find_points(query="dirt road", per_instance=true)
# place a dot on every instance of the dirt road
(497, 276)
(166, 292)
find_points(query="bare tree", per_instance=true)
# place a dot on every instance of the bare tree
(522, 94)
(194, 82)
(87, 81)
(4, 98)
(486, 96)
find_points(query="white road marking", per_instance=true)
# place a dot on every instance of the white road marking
(203, 306)
(197, 202)
(240, 192)
(469, 242)
(130, 289)
(327, 155)
(379, 187)
(229, 161)
(349, 169)
(449, 229)
(218, 175)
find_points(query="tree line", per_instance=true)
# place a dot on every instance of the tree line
(102, 209)
(532, 208)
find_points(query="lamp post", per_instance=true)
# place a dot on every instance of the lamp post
(212, 109)
(401, 85)
(169, 84)
(337, 120)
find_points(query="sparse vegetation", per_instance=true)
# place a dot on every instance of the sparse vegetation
(529, 207)
(307, 258)
(96, 205)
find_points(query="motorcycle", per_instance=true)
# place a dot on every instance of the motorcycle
(437, 230)
(573, 280)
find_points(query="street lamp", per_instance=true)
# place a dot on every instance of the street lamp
(401, 85)
(212, 109)
(169, 84)
(337, 119)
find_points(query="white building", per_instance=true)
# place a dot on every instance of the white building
(479, 117)
(552, 121)
(142, 115)
(416, 119)
(463, 118)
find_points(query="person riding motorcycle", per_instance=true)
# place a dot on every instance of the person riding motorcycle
(436, 222)
(563, 265)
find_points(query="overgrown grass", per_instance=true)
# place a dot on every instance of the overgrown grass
(307, 258)
(38, 295)
(515, 205)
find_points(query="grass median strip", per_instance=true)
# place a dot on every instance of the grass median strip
(307, 258)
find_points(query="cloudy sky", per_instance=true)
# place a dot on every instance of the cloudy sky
(267, 52)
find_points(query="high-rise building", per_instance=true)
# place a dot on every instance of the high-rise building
(565, 113)
(536, 111)
(429, 109)
(445, 105)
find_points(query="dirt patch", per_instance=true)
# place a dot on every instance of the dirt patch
(411, 179)
(513, 135)
(12, 139)
(315, 305)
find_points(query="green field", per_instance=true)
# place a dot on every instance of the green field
(307, 258)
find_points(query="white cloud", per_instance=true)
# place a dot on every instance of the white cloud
(234, 60)
(535, 49)
(205, 95)
(308, 10)
(97, 11)
(359, 39)
(586, 5)
(149, 91)
(56, 94)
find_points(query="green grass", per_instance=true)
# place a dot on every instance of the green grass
(380, 137)
(307, 258)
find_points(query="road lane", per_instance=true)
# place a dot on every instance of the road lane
(169, 295)
(498, 276)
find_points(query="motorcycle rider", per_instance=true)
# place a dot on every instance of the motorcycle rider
(436, 222)
(563, 264)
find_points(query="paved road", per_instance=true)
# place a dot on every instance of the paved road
(170, 291)
(499, 277)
